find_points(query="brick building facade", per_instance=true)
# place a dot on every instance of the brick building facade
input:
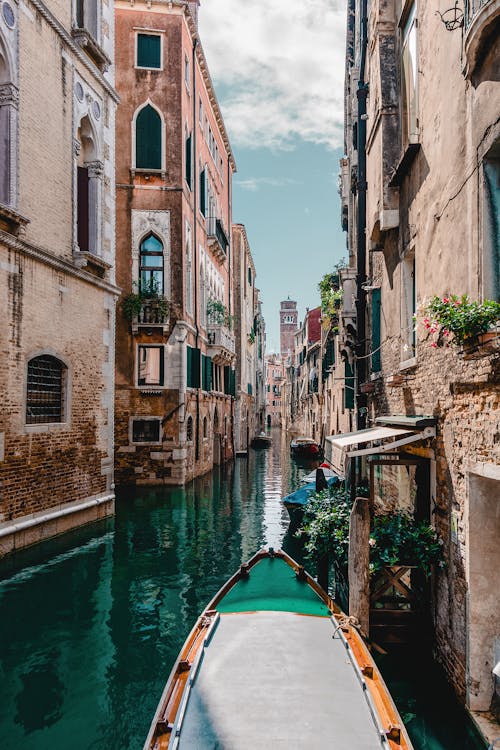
(175, 353)
(423, 140)
(57, 108)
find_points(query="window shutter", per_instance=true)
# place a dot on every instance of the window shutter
(148, 51)
(148, 139)
(193, 367)
(376, 304)
(203, 192)
(349, 387)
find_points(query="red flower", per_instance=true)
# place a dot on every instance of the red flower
(434, 345)
(446, 300)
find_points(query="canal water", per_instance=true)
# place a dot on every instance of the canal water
(91, 622)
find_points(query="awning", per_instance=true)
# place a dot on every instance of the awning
(339, 448)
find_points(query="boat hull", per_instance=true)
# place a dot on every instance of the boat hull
(237, 681)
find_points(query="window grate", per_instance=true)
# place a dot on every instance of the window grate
(44, 401)
(146, 431)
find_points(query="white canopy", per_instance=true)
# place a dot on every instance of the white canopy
(338, 448)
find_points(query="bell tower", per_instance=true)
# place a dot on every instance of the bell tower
(288, 326)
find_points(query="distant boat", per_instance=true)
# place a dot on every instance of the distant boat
(304, 447)
(273, 662)
(261, 441)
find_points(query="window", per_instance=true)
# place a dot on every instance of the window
(410, 79)
(8, 128)
(87, 16)
(186, 71)
(200, 109)
(45, 390)
(205, 427)
(150, 370)
(376, 317)
(146, 430)
(148, 51)
(408, 307)
(491, 227)
(250, 277)
(189, 429)
(349, 387)
(206, 372)
(189, 271)
(203, 192)
(148, 139)
(151, 265)
(88, 188)
(188, 159)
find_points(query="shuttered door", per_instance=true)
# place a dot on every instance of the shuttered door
(148, 139)
(193, 367)
(148, 51)
(376, 358)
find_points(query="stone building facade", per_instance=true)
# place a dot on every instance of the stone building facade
(175, 377)
(56, 267)
(249, 343)
(57, 118)
(275, 375)
(421, 176)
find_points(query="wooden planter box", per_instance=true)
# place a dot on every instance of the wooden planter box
(482, 345)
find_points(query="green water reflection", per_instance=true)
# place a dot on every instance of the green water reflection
(92, 622)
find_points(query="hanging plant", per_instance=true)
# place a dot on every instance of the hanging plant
(455, 319)
(217, 313)
(133, 303)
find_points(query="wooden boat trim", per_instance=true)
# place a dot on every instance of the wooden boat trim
(170, 712)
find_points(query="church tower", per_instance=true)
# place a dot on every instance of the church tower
(288, 326)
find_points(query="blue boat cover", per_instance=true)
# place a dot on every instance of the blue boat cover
(302, 495)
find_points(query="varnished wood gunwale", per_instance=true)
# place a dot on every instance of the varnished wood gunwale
(160, 734)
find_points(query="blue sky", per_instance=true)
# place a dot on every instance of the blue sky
(278, 70)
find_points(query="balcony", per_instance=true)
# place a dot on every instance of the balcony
(153, 313)
(480, 17)
(217, 238)
(221, 344)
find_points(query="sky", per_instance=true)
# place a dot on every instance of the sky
(278, 72)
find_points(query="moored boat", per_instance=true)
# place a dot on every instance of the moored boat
(261, 441)
(304, 447)
(296, 501)
(272, 661)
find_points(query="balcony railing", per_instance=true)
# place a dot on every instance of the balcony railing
(152, 314)
(221, 344)
(217, 237)
(472, 8)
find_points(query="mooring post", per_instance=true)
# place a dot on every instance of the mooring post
(359, 563)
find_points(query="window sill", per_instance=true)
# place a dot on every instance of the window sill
(152, 70)
(145, 444)
(83, 258)
(146, 390)
(148, 172)
(407, 364)
(46, 427)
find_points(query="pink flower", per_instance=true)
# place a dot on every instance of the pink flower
(446, 300)
(446, 332)
(457, 303)
(434, 345)
(433, 328)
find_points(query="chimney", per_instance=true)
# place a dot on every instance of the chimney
(193, 6)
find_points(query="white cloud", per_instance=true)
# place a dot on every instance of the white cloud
(253, 184)
(281, 64)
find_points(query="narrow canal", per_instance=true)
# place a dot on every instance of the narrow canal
(91, 622)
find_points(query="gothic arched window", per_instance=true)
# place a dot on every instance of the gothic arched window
(151, 265)
(148, 137)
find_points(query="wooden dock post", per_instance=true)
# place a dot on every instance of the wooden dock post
(359, 563)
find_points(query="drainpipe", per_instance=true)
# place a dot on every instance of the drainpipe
(361, 362)
(194, 163)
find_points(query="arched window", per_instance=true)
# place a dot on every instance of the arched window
(46, 387)
(89, 177)
(148, 144)
(151, 265)
(8, 128)
(189, 429)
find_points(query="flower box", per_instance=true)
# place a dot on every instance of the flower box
(482, 345)
(367, 387)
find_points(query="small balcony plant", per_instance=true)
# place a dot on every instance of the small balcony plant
(217, 313)
(134, 302)
(458, 320)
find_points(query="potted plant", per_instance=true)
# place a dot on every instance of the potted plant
(251, 337)
(147, 303)
(461, 321)
(217, 313)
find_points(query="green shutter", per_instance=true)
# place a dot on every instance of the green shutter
(349, 387)
(188, 160)
(193, 367)
(148, 139)
(148, 51)
(376, 304)
(227, 380)
(206, 363)
(233, 382)
(203, 192)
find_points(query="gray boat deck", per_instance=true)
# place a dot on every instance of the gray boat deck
(277, 680)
